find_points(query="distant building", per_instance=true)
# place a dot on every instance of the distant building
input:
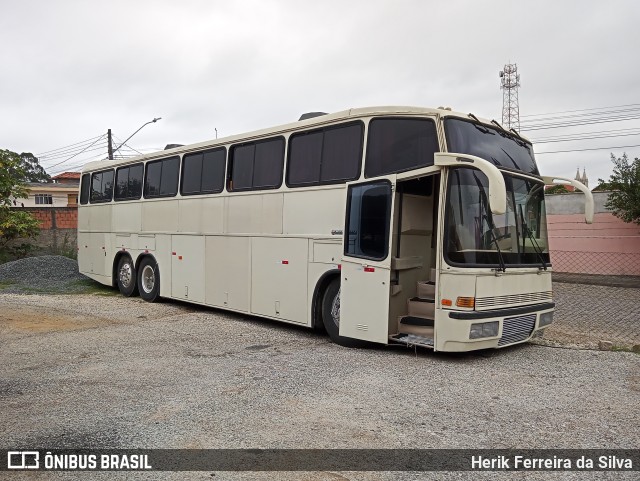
(565, 188)
(582, 178)
(62, 192)
(67, 178)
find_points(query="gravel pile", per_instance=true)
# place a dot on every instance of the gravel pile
(41, 274)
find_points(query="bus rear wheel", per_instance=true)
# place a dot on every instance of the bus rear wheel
(149, 280)
(331, 315)
(126, 277)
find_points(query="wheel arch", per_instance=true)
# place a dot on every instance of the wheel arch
(318, 292)
(142, 257)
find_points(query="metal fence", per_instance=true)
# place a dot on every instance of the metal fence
(595, 302)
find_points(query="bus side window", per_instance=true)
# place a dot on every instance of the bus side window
(84, 189)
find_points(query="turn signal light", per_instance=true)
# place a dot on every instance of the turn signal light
(466, 302)
(446, 302)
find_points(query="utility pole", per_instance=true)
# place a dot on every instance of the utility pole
(109, 144)
(509, 83)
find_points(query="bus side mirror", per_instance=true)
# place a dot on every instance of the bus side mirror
(588, 196)
(497, 188)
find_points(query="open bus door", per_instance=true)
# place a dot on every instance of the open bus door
(366, 260)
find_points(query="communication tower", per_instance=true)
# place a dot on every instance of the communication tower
(509, 83)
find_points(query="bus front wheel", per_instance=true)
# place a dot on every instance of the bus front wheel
(331, 315)
(149, 280)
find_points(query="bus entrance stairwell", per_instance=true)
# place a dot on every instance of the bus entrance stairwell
(413, 293)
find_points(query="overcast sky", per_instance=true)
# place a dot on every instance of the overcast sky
(73, 69)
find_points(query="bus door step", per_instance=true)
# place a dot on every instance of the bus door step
(416, 321)
(412, 340)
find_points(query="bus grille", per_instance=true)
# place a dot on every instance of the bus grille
(530, 297)
(515, 329)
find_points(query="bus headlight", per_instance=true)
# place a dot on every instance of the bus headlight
(545, 319)
(484, 329)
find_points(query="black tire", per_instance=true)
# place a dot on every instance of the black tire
(126, 277)
(331, 315)
(149, 280)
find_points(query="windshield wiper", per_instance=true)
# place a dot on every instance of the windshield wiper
(479, 126)
(526, 231)
(502, 267)
(534, 244)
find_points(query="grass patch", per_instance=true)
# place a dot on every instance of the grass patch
(89, 286)
(632, 349)
(82, 286)
(7, 283)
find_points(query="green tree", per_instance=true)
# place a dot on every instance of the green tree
(14, 223)
(624, 200)
(33, 171)
(557, 189)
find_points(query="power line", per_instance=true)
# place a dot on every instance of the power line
(82, 142)
(100, 146)
(74, 155)
(581, 110)
(586, 136)
(584, 150)
(578, 122)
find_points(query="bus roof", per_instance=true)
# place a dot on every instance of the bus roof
(317, 121)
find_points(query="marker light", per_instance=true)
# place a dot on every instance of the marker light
(466, 302)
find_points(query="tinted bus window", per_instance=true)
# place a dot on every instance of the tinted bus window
(203, 172)
(84, 189)
(129, 182)
(101, 186)
(497, 146)
(257, 165)
(161, 178)
(368, 219)
(399, 144)
(326, 156)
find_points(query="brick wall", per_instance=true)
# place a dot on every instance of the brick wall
(58, 227)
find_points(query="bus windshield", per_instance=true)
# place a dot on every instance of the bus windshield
(476, 237)
(495, 145)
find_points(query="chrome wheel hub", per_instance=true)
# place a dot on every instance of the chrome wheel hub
(148, 277)
(126, 274)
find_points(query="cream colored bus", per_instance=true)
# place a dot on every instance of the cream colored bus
(387, 225)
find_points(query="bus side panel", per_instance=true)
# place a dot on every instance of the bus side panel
(228, 272)
(162, 254)
(279, 278)
(127, 217)
(313, 212)
(84, 261)
(255, 214)
(212, 212)
(160, 216)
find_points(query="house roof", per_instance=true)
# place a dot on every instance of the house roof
(46, 186)
(67, 175)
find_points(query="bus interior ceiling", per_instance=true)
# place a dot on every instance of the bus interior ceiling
(413, 250)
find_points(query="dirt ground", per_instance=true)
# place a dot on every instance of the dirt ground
(95, 371)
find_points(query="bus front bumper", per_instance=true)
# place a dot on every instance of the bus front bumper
(471, 330)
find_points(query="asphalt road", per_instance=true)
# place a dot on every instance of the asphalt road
(93, 371)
